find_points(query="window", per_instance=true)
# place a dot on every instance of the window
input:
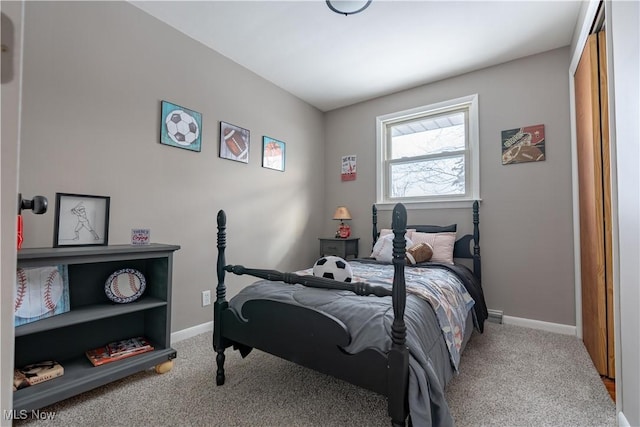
(429, 155)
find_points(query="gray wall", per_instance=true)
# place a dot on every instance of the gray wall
(94, 76)
(526, 211)
(624, 24)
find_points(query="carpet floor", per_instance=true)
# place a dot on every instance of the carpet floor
(509, 376)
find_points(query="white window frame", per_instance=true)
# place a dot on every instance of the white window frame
(472, 156)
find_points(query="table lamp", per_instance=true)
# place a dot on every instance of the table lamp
(341, 214)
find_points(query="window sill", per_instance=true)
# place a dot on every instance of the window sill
(442, 204)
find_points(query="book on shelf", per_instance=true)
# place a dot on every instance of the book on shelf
(101, 355)
(131, 345)
(36, 373)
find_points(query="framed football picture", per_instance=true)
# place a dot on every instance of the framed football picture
(234, 142)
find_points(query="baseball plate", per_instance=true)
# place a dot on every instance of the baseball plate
(125, 285)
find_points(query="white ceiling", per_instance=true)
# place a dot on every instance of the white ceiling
(332, 60)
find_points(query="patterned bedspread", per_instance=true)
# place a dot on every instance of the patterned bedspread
(441, 289)
(439, 299)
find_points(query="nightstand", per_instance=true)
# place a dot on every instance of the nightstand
(339, 247)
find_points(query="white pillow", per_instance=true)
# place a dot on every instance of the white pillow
(383, 249)
(387, 231)
(442, 244)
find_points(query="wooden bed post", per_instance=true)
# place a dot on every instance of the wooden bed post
(374, 216)
(476, 242)
(398, 358)
(221, 303)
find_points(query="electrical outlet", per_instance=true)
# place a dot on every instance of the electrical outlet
(206, 298)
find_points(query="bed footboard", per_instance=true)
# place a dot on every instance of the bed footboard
(314, 339)
(358, 288)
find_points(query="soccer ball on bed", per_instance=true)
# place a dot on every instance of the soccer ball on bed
(333, 267)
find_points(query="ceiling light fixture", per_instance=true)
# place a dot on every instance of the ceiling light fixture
(348, 7)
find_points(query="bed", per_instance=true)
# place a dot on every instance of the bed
(386, 331)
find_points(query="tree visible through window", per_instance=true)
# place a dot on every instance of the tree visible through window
(427, 154)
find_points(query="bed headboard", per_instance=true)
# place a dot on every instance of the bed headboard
(462, 248)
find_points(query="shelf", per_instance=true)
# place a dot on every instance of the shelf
(80, 376)
(93, 320)
(90, 254)
(87, 314)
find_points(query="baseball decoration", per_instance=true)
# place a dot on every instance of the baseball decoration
(525, 144)
(180, 127)
(125, 285)
(37, 291)
(333, 267)
(272, 153)
(40, 292)
(234, 143)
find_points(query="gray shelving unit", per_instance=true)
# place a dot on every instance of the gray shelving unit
(94, 320)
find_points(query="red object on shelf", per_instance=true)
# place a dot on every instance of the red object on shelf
(20, 235)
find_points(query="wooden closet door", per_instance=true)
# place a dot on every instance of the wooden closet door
(594, 194)
(606, 194)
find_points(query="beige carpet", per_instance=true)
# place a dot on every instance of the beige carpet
(510, 376)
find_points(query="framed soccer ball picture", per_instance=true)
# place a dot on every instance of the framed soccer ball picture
(180, 127)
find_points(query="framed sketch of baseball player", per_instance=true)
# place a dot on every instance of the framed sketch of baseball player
(81, 220)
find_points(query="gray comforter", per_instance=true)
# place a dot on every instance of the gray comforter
(369, 320)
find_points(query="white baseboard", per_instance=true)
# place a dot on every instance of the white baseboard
(191, 332)
(539, 324)
(507, 320)
(622, 420)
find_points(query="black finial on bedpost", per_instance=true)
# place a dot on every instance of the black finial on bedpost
(476, 241)
(374, 218)
(398, 357)
(221, 289)
(221, 304)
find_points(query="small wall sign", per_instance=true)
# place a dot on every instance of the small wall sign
(349, 168)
